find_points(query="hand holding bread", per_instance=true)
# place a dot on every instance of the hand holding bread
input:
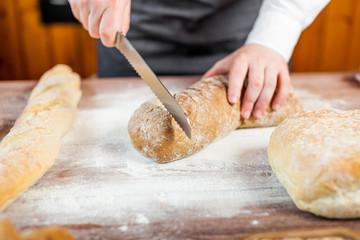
(154, 133)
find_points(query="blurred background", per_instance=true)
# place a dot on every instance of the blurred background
(37, 34)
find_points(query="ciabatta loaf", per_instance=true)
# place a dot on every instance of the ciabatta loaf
(32, 145)
(316, 156)
(156, 134)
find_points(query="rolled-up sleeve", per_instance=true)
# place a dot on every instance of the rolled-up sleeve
(280, 23)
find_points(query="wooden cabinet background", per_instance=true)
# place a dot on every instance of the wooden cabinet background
(332, 41)
(28, 48)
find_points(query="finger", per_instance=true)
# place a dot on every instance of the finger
(74, 9)
(126, 18)
(255, 85)
(96, 11)
(237, 76)
(94, 22)
(283, 89)
(84, 15)
(219, 68)
(109, 25)
(270, 80)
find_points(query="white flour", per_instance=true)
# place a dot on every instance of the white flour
(99, 178)
(311, 101)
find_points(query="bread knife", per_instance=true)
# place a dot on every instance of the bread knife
(145, 72)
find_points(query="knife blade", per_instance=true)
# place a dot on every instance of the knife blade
(145, 72)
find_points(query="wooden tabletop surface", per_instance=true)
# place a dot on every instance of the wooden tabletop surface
(101, 188)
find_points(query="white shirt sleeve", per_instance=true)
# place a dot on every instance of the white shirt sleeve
(280, 23)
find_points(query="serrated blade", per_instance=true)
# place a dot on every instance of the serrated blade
(145, 72)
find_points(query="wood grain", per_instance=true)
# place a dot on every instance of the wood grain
(29, 47)
(354, 54)
(231, 194)
(11, 61)
(331, 43)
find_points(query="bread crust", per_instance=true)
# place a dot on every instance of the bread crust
(155, 133)
(9, 232)
(33, 143)
(316, 156)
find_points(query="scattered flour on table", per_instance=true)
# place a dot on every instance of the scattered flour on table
(140, 218)
(123, 228)
(102, 179)
(311, 101)
(255, 222)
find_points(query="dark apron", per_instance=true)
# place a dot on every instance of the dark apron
(181, 37)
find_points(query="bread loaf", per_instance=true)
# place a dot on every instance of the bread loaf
(31, 146)
(316, 156)
(9, 232)
(155, 133)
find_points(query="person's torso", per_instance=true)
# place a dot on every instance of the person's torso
(179, 37)
(193, 21)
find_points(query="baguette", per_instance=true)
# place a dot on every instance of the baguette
(155, 133)
(33, 143)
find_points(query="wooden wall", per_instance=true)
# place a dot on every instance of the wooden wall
(332, 42)
(29, 48)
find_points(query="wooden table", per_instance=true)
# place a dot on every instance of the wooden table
(101, 188)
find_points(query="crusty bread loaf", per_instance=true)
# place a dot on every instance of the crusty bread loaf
(9, 232)
(316, 156)
(31, 146)
(156, 134)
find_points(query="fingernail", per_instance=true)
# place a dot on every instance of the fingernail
(233, 99)
(257, 114)
(246, 114)
(276, 107)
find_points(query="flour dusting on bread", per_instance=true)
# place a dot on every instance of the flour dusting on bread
(316, 156)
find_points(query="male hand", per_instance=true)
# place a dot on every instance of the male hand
(266, 70)
(103, 18)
